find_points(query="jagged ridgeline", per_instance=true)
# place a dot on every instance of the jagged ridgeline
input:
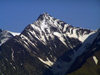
(50, 46)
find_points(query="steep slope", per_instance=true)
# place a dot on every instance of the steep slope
(48, 47)
(5, 35)
(77, 58)
(92, 64)
(90, 67)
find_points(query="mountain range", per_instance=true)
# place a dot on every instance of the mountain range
(50, 46)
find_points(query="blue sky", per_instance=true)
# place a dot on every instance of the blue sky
(15, 15)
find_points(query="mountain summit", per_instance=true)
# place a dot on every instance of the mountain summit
(44, 16)
(48, 46)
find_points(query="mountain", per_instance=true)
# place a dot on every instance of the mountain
(48, 46)
(6, 35)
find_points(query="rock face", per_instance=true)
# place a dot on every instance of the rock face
(48, 47)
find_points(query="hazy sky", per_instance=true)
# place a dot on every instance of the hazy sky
(15, 15)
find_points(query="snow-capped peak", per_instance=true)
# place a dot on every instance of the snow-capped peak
(6, 35)
(46, 24)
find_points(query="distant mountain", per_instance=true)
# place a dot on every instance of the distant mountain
(5, 35)
(49, 46)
